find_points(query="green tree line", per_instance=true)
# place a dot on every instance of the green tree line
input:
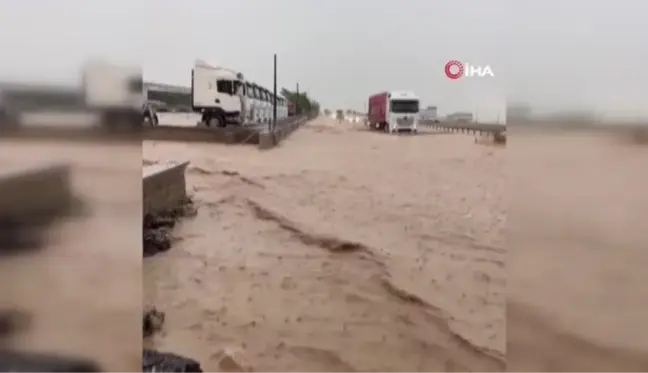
(305, 104)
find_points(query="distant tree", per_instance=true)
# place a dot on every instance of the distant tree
(314, 108)
(327, 112)
(305, 105)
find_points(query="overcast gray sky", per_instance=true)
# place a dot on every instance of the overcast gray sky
(555, 54)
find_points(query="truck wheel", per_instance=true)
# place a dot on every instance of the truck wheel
(216, 122)
(151, 121)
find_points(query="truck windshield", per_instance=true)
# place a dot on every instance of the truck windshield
(135, 84)
(225, 86)
(404, 106)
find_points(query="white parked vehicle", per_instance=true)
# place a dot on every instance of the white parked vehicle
(282, 109)
(267, 106)
(254, 108)
(110, 94)
(224, 96)
(117, 92)
(217, 93)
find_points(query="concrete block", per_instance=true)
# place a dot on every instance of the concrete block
(266, 140)
(230, 137)
(164, 186)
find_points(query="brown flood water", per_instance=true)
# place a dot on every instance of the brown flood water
(347, 250)
(342, 250)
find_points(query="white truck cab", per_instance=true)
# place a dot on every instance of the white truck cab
(224, 96)
(219, 94)
(403, 113)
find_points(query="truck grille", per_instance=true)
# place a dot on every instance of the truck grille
(405, 122)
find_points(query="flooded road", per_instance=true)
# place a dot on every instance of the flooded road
(341, 250)
(346, 250)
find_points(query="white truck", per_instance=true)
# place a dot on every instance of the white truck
(116, 92)
(223, 96)
(110, 93)
(393, 111)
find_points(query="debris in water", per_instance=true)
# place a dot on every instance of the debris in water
(155, 361)
(153, 321)
(157, 227)
(13, 321)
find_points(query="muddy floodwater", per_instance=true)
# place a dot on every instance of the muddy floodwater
(347, 250)
(341, 250)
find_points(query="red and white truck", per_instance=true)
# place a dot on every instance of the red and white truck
(393, 111)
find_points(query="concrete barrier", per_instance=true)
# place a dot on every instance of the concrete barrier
(35, 193)
(230, 135)
(164, 187)
(268, 140)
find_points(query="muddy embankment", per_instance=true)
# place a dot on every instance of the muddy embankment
(157, 239)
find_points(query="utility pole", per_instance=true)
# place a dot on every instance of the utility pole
(274, 101)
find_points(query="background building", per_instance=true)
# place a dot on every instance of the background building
(462, 117)
(175, 97)
(429, 113)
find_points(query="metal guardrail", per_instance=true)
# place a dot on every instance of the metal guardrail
(465, 127)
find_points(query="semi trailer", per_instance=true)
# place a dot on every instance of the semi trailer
(395, 111)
